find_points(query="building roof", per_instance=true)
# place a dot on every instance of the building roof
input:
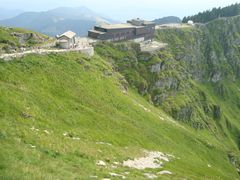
(95, 31)
(134, 23)
(68, 34)
(117, 26)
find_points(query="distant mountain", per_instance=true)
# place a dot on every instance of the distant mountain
(6, 13)
(58, 20)
(167, 20)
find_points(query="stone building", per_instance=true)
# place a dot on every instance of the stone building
(67, 40)
(136, 29)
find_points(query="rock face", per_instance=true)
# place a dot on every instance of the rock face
(168, 83)
(184, 113)
(15, 40)
(156, 68)
(204, 54)
(24, 37)
(216, 77)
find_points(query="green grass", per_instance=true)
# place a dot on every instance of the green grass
(188, 114)
(70, 93)
(187, 91)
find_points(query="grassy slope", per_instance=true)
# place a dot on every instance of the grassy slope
(69, 93)
(185, 60)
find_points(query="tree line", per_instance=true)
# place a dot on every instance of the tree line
(209, 15)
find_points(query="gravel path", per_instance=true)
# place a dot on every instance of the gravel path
(86, 50)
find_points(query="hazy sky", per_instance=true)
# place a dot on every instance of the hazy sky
(123, 9)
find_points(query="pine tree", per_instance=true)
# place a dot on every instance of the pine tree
(209, 15)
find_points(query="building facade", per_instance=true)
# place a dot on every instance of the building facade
(67, 40)
(136, 29)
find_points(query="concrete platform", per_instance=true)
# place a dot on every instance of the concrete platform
(152, 46)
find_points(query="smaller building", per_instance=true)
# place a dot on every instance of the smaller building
(67, 40)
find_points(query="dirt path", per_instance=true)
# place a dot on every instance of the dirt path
(89, 51)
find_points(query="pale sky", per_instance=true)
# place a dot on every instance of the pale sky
(123, 9)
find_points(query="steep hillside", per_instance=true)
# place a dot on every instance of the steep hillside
(57, 21)
(204, 56)
(60, 112)
(195, 79)
(11, 39)
(65, 116)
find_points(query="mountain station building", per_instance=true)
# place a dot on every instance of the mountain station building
(136, 29)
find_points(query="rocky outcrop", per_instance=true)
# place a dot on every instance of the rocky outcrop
(25, 37)
(156, 68)
(168, 83)
(206, 54)
(216, 77)
(183, 114)
(234, 160)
